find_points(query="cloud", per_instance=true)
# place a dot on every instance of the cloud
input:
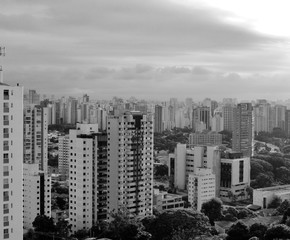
(153, 48)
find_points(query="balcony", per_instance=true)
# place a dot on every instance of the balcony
(6, 198)
(5, 185)
(6, 122)
(6, 211)
(6, 110)
(6, 224)
(6, 160)
(6, 173)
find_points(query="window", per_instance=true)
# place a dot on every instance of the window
(6, 132)
(5, 208)
(5, 120)
(6, 94)
(6, 107)
(5, 171)
(6, 196)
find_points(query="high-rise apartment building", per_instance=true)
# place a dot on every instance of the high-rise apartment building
(158, 121)
(87, 176)
(35, 135)
(11, 162)
(243, 132)
(36, 194)
(130, 163)
(63, 155)
(36, 182)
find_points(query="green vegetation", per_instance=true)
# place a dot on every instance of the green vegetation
(167, 140)
(269, 170)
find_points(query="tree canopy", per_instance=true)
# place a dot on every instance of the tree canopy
(212, 209)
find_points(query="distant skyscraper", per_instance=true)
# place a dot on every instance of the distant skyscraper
(287, 122)
(201, 114)
(33, 97)
(228, 117)
(262, 117)
(158, 122)
(243, 129)
(11, 163)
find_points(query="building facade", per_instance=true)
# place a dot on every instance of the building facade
(11, 162)
(130, 159)
(243, 133)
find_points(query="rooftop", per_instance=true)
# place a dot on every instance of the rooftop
(275, 189)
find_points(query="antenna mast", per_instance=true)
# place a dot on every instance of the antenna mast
(2, 53)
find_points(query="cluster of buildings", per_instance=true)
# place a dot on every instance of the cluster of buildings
(106, 170)
(108, 158)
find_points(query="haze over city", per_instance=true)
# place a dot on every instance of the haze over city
(148, 49)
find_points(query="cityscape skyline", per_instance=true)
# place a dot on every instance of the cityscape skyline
(159, 48)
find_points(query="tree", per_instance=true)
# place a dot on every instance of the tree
(61, 203)
(161, 170)
(125, 226)
(238, 231)
(262, 181)
(282, 208)
(212, 209)
(283, 175)
(276, 202)
(63, 228)
(258, 230)
(171, 222)
(279, 231)
(43, 223)
(81, 234)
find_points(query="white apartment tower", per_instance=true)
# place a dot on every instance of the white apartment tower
(130, 163)
(63, 155)
(36, 194)
(36, 182)
(35, 135)
(11, 162)
(87, 176)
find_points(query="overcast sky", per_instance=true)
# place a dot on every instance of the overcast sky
(153, 49)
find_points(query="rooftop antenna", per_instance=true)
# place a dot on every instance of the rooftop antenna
(2, 53)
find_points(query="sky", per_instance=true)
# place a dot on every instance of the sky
(153, 49)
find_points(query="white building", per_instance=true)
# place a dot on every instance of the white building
(11, 162)
(165, 200)
(36, 183)
(264, 196)
(205, 138)
(36, 194)
(63, 155)
(87, 176)
(130, 158)
(201, 187)
(35, 135)
(186, 160)
(234, 177)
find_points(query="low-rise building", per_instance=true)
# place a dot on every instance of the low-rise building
(164, 200)
(264, 196)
